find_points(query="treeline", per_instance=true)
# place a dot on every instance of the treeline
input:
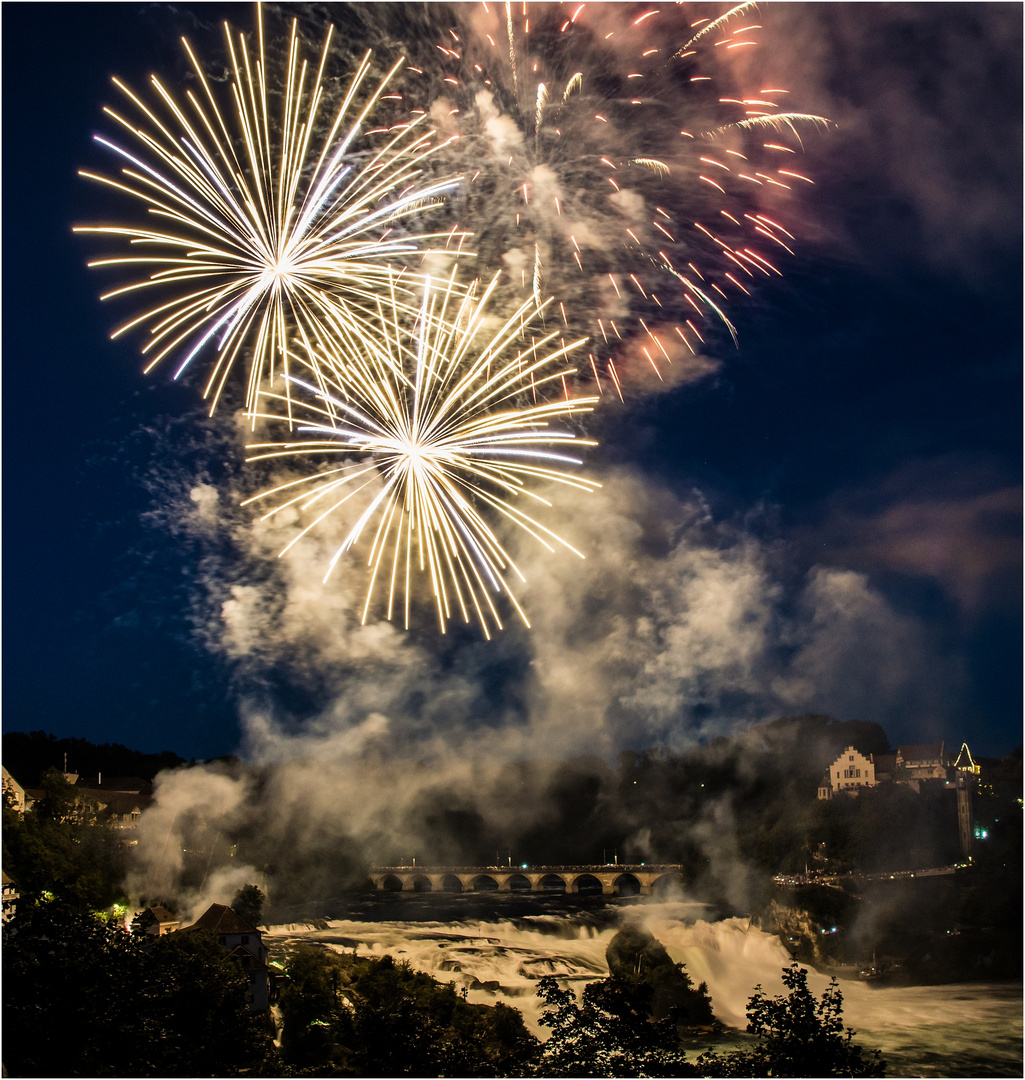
(27, 755)
(129, 1004)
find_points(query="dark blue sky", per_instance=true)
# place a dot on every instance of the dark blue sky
(870, 419)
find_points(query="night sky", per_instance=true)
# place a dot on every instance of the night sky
(869, 421)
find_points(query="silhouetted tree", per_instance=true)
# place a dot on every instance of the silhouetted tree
(800, 1035)
(83, 997)
(248, 904)
(374, 1017)
(607, 1034)
(60, 846)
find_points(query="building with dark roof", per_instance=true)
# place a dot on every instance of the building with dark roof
(157, 921)
(244, 944)
(921, 761)
(135, 784)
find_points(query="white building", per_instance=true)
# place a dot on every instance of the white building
(851, 771)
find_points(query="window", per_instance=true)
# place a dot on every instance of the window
(851, 758)
(857, 772)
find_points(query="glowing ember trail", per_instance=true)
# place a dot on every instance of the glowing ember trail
(584, 184)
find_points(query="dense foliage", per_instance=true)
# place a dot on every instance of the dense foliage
(248, 904)
(350, 1016)
(609, 1033)
(614, 1031)
(799, 1035)
(83, 997)
(63, 848)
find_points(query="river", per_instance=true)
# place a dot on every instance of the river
(962, 1029)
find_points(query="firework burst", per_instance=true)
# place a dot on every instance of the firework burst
(614, 164)
(438, 424)
(264, 222)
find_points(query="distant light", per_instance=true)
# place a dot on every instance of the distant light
(523, 866)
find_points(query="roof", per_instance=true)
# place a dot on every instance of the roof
(220, 919)
(8, 778)
(847, 752)
(964, 758)
(114, 783)
(161, 914)
(120, 802)
(921, 751)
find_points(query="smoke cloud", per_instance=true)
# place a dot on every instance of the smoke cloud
(364, 742)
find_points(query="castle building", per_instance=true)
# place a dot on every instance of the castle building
(851, 771)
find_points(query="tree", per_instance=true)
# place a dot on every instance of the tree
(61, 847)
(317, 1021)
(374, 1017)
(121, 1005)
(800, 1036)
(607, 1034)
(248, 904)
(627, 1024)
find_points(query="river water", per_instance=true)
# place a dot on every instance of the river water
(963, 1029)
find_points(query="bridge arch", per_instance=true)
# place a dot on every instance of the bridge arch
(484, 883)
(451, 883)
(422, 883)
(552, 883)
(670, 882)
(518, 883)
(391, 883)
(586, 885)
(627, 885)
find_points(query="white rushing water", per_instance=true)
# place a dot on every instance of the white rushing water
(951, 1030)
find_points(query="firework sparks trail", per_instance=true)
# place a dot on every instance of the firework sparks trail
(584, 183)
(256, 233)
(442, 424)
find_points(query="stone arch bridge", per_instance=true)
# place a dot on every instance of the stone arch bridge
(618, 880)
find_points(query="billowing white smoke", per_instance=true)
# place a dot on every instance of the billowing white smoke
(672, 629)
